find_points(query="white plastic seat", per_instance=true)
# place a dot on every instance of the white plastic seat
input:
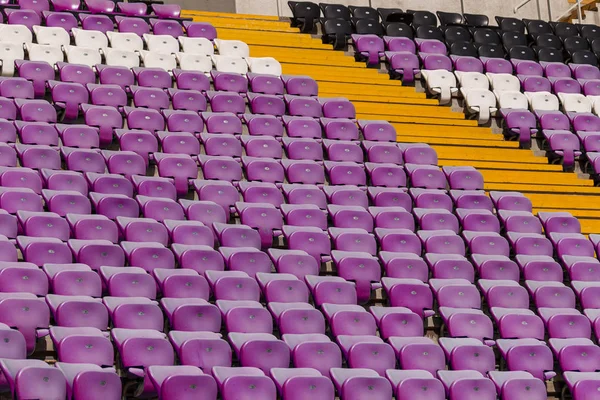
(230, 64)
(504, 82)
(122, 58)
(9, 52)
(90, 39)
(44, 52)
(232, 48)
(575, 102)
(51, 35)
(264, 65)
(195, 62)
(472, 80)
(15, 34)
(510, 99)
(158, 60)
(161, 43)
(481, 102)
(198, 45)
(441, 83)
(542, 101)
(83, 55)
(595, 100)
(127, 41)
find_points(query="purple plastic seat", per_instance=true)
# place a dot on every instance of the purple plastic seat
(295, 383)
(403, 64)
(132, 282)
(354, 383)
(181, 143)
(96, 22)
(295, 262)
(68, 96)
(369, 48)
(166, 27)
(467, 385)
(82, 377)
(28, 314)
(97, 253)
(365, 351)
(33, 378)
(410, 293)
(36, 110)
(417, 384)
(141, 348)
(64, 20)
(191, 80)
(468, 354)
(222, 123)
(180, 167)
(200, 29)
(303, 106)
(82, 344)
(115, 75)
(76, 73)
(105, 118)
(314, 351)
(133, 25)
(19, 88)
(260, 350)
(300, 85)
(182, 382)
(267, 84)
(27, 17)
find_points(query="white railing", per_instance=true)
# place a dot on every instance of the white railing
(570, 10)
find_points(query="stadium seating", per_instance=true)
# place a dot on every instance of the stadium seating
(200, 205)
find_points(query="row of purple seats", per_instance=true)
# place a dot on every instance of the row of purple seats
(104, 23)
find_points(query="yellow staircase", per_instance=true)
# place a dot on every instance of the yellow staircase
(417, 119)
(586, 5)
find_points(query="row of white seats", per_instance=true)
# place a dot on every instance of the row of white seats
(9, 52)
(122, 41)
(484, 95)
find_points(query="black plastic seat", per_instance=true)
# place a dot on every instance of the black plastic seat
(522, 53)
(486, 36)
(548, 54)
(304, 15)
(564, 29)
(491, 51)
(384, 13)
(364, 12)
(456, 34)
(337, 32)
(421, 18)
(463, 49)
(476, 19)
(399, 29)
(335, 11)
(536, 27)
(509, 24)
(584, 57)
(590, 32)
(575, 43)
(429, 32)
(548, 40)
(368, 26)
(449, 18)
(512, 39)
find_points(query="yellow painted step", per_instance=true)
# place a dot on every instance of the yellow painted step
(455, 142)
(589, 225)
(499, 165)
(589, 214)
(378, 100)
(534, 178)
(420, 120)
(375, 90)
(469, 154)
(338, 74)
(297, 52)
(189, 13)
(556, 190)
(409, 110)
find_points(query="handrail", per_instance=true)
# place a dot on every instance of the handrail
(570, 10)
(525, 2)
